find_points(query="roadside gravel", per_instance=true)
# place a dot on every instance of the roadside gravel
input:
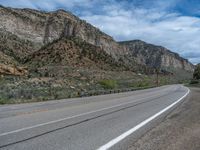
(179, 131)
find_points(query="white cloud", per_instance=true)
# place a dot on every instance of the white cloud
(174, 31)
(146, 20)
(18, 3)
(47, 4)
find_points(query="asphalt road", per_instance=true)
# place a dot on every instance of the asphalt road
(103, 122)
(183, 128)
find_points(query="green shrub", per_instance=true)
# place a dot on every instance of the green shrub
(142, 84)
(108, 84)
(2, 101)
(196, 74)
(194, 81)
(139, 84)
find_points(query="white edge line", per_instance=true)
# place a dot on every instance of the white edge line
(131, 131)
(63, 119)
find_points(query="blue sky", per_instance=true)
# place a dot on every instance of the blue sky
(174, 24)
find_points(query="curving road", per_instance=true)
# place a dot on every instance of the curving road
(99, 122)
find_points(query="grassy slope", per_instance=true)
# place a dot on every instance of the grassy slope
(72, 68)
(76, 83)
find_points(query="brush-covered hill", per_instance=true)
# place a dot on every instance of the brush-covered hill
(73, 52)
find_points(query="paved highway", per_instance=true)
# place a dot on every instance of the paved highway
(99, 122)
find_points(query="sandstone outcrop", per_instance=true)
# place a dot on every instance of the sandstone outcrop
(25, 31)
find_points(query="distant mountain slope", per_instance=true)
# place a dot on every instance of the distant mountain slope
(155, 56)
(27, 31)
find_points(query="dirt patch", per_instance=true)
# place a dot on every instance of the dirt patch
(179, 131)
(12, 70)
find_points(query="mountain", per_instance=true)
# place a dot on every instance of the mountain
(75, 53)
(56, 55)
(29, 36)
(155, 56)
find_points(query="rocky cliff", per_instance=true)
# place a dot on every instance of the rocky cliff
(25, 31)
(155, 56)
(42, 28)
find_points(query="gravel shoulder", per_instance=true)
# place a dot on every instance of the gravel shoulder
(179, 131)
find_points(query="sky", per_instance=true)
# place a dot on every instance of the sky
(174, 24)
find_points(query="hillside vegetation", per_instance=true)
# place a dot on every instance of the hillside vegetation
(55, 55)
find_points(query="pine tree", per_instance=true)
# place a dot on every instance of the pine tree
(196, 74)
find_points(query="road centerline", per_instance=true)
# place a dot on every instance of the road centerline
(67, 118)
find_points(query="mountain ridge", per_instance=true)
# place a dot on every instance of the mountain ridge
(140, 48)
(41, 28)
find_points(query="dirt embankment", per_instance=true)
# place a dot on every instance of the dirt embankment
(12, 70)
(179, 131)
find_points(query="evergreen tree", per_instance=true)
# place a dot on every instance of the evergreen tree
(196, 74)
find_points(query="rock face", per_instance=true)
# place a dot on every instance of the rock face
(155, 56)
(42, 28)
(25, 31)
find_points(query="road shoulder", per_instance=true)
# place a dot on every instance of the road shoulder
(179, 131)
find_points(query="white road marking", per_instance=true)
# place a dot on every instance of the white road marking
(63, 119)
(131, 131)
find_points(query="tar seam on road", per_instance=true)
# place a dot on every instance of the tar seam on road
(80, 122)
(131, 131)
(86, 119)
(63, 119)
